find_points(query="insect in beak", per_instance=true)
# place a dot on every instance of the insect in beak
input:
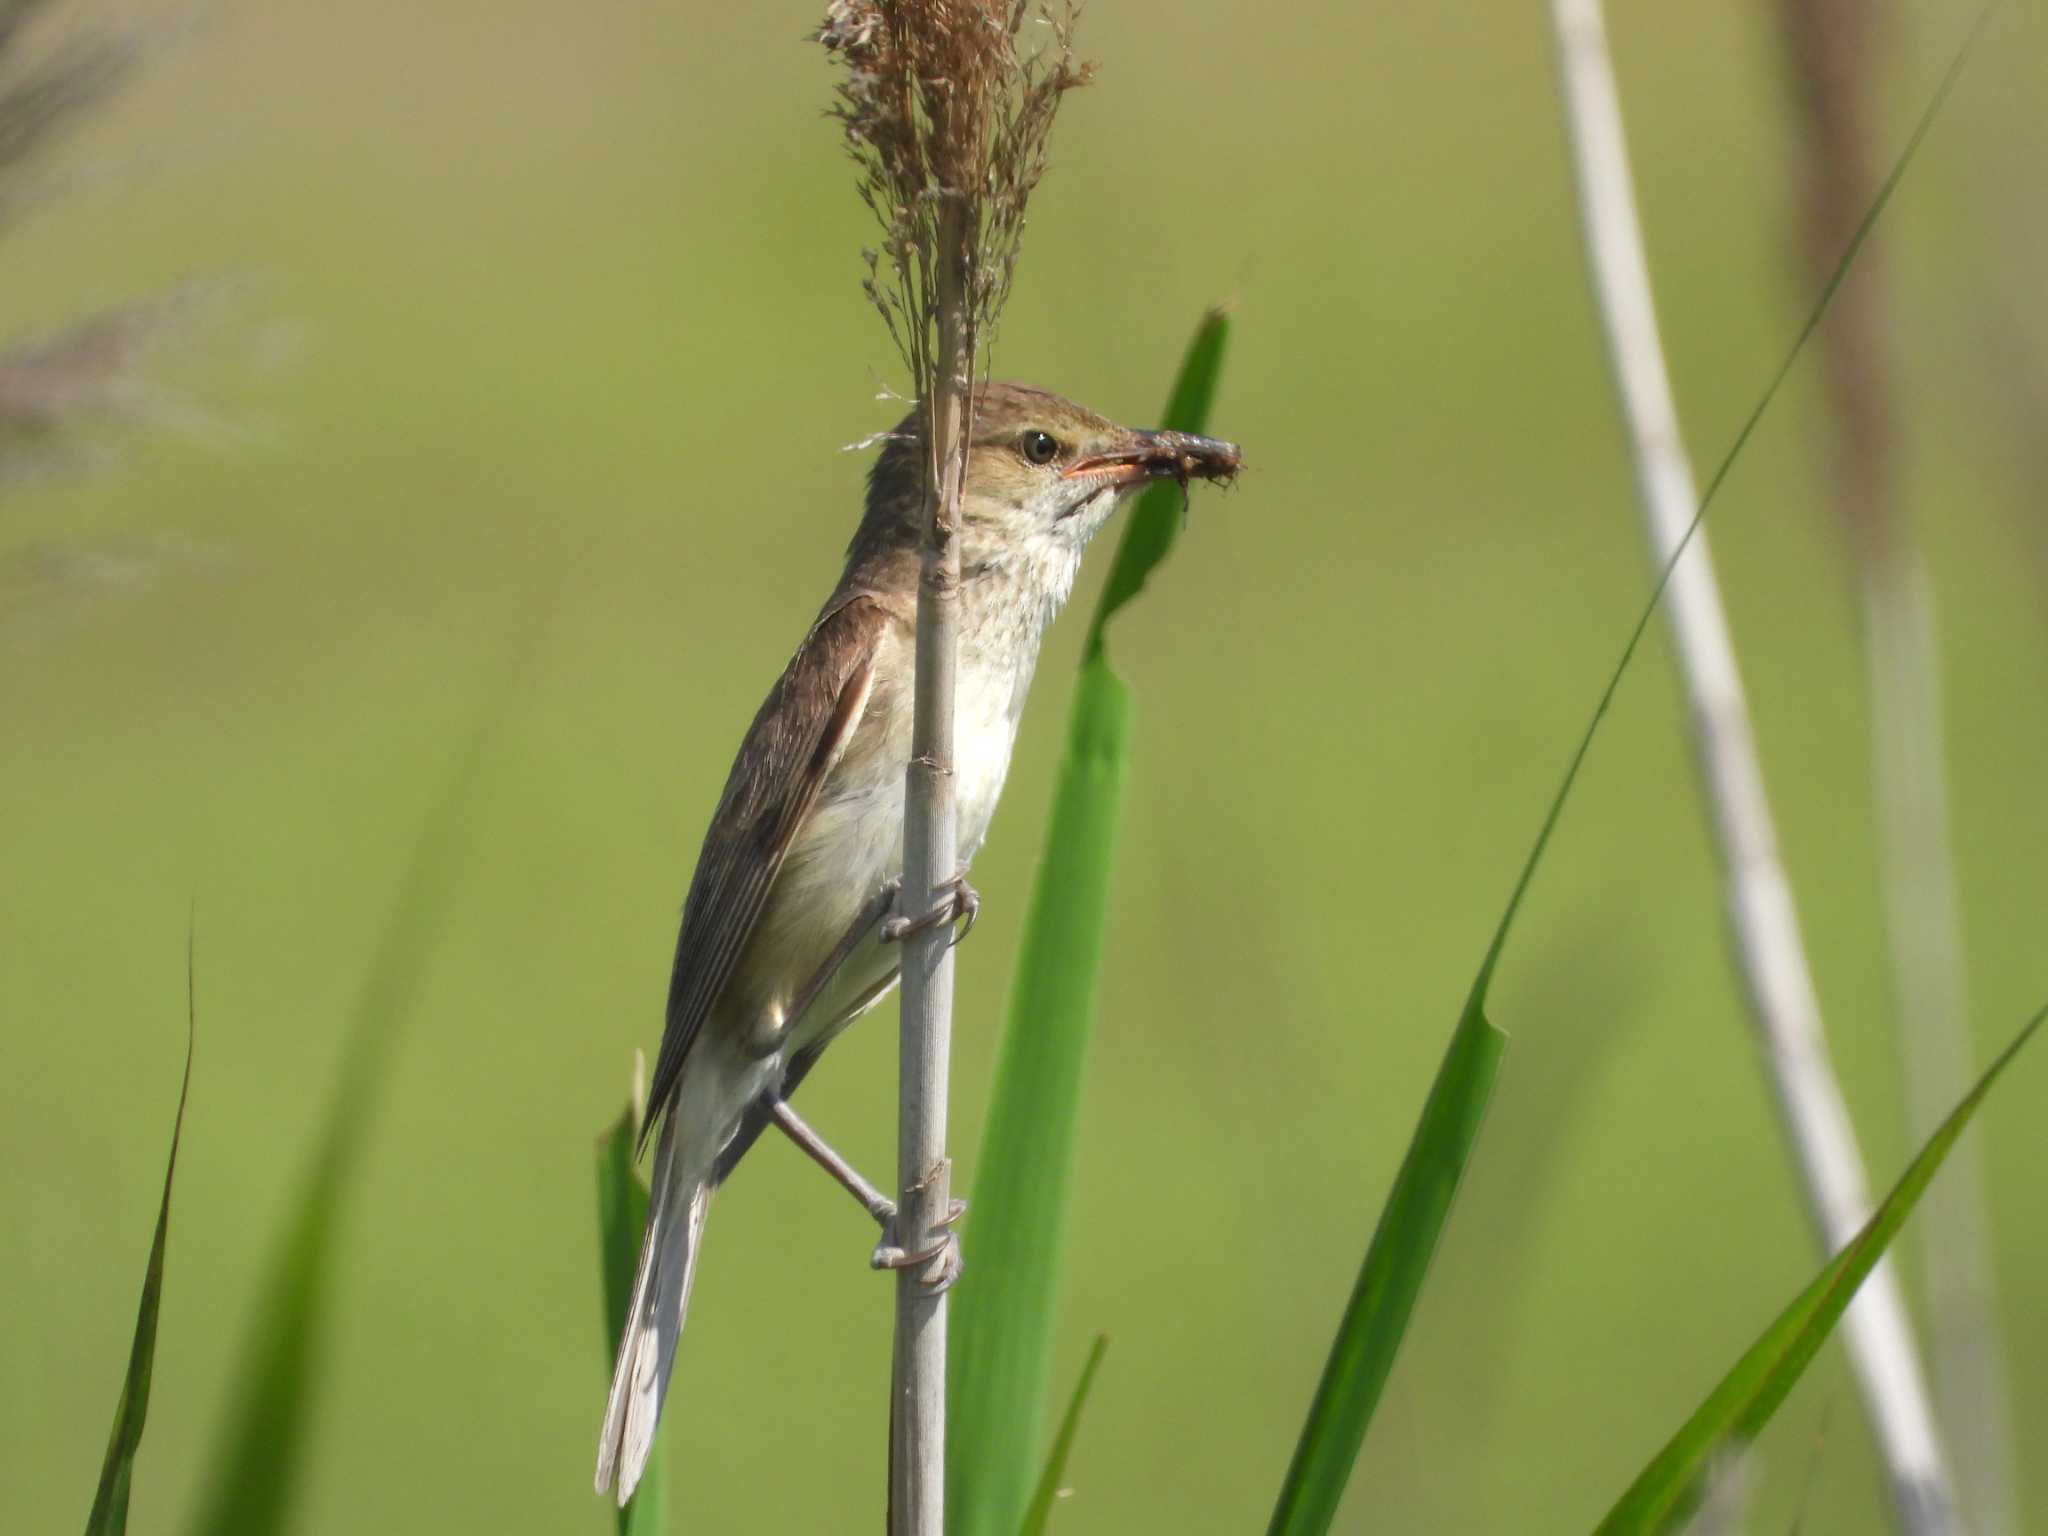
(1178, 456)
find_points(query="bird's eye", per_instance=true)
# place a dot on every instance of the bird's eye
(1039, 447)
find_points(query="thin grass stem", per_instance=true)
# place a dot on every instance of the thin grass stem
(917, 1440)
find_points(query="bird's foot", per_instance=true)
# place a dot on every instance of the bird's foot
(958, 902)
(889, 1254)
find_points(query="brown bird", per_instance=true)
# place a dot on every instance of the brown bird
(788, 934)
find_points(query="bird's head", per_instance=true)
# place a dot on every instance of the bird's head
(1042, 474)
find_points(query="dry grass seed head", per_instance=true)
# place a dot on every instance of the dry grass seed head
(940, 103)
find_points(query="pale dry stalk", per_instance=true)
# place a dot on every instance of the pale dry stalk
(946, 118)
(930, 859)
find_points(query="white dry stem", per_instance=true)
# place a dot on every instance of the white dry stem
(947, 123)
(1768, 950)
(917, 1436)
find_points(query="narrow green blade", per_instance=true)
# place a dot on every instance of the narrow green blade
(1390, 1280)
(1155, 522)
(1002, 1325)
(1063, 1445)
(109, 1515)
(262, 1445)
(621, 1218)
(1737, 1409)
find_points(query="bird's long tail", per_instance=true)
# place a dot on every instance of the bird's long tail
(654, 1318)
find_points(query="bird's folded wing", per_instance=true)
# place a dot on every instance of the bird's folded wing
(790, 749)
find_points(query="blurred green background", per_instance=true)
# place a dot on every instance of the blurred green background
(532, 401)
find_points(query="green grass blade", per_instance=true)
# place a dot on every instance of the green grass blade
(1154, 524)
(1002, 1326)
(1049, 1481)
(109, 1515)
(1396, 1263)
(621, 1218)
(1737, 1410)
(1390, 1280)
(258, 1455)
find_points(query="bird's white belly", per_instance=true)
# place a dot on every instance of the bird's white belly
(853, 847)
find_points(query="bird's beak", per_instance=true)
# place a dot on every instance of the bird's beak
(1161, 456)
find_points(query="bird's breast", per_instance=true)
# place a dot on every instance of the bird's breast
(986, 710)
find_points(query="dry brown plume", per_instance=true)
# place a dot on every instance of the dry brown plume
(946, 102)
(87, 369)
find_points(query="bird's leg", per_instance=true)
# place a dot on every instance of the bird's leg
(957, 900)
(888, 1253)
(876, 1204)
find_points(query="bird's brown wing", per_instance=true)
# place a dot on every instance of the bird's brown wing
(795, 740)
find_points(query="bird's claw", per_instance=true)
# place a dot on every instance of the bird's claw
(889, 1254)
(958, 902)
